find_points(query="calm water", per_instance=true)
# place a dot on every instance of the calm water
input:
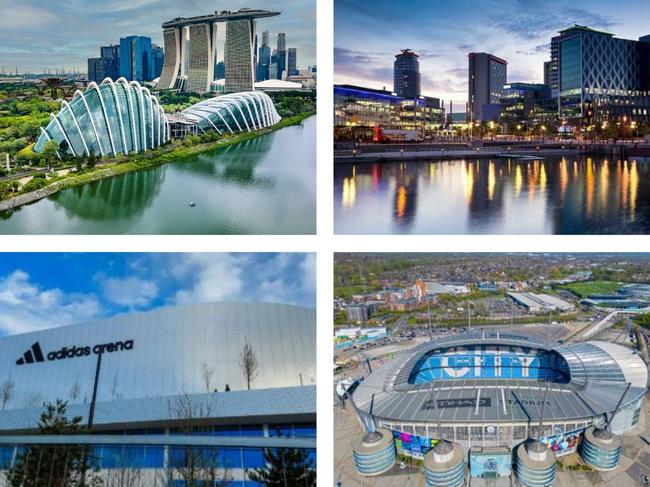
(576, 195)
(266, 185)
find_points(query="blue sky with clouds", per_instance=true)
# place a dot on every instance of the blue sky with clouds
(64, 33)
(367, 35)
(46, 290)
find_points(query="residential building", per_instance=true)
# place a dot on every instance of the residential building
(406, 74)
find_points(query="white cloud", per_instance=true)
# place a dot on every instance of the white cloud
(16, 16)
(26, 306)
(212, 277)
(131, 291)
(308, 268)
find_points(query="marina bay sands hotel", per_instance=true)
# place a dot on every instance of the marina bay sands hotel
(239, 50)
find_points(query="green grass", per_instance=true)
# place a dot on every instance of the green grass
(584, 289)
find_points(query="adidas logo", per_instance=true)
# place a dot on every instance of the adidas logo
(32, 355)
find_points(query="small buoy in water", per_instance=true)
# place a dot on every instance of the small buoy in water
(192, 204)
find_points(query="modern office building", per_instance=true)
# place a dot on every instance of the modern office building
(168, 380)
(600, 78)
(158, 60)
(292, 69)
(486, 390)
(527, 104)
(379, 115)
(406, 74)
(105, 66)
(281, 55)
(136, 58)
(239, 50)
(122, 117)
(264, 58)
(487, 76)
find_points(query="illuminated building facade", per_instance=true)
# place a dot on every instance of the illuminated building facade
(600, 78)
(378, 115)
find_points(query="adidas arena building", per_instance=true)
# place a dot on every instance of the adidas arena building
(167, 380)
(488, 392)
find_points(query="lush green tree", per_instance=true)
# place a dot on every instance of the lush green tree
(91, 162)
(61, 466)
(285, 467)
(49, 152)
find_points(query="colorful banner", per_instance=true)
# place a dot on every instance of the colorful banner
(490, 465)
(565, 443)
(412, 445)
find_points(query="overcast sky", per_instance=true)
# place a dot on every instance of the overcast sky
(368, 34)
(36, 33)
(47, 290)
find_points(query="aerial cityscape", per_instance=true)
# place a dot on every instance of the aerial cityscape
(183, 133)
(491, 369)
(136, 377)
(538, 124)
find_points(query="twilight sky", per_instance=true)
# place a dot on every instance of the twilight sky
(47, 290)
(368, 34)
(36, 33)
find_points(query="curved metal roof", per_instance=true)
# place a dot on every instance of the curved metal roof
(599, 373)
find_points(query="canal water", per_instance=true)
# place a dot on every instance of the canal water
(573, 195)
(266, 185)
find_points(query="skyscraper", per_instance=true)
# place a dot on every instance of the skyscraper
(105, 66)
(282, 54)
(265, 38)
(291, 62)
(406, 74)
(263, 63)
(601, 78)
(239, 55)
(158, 60)
(136, 58)
(487, 76)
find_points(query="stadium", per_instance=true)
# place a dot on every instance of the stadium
(153, 386)
(488, 393)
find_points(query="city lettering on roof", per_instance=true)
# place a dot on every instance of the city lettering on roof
(469, 402)
(35, 353)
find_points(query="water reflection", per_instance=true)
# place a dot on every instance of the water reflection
(114, 198)
(555, 195)
(265, 185)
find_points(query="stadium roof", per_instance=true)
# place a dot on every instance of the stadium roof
(599, 373)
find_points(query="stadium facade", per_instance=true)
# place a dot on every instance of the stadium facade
(490, 390)
(153, 365)
(121, 117)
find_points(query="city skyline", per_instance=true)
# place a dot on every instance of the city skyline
(39, 291)
(518, 31)
(23, 45)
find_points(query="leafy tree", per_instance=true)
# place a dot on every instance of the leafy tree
(49, 152)
(285, 467)
(61, 465)
(91, 162)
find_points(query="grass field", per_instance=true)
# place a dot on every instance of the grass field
(584, 289)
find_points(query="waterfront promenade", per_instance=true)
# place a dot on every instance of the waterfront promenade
(351, 153)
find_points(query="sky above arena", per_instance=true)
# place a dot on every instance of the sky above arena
(40, 291)
(35, 34)
(367, 35)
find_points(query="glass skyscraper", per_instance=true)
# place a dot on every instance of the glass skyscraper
(406, 74)
(601, 78)
(136, 58)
